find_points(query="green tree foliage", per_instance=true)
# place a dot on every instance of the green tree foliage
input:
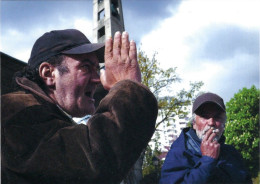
(242, 128)
(160, 82)
(149, 168)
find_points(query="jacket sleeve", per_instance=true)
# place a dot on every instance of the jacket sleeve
(122, 126)
(103, 150)
(232, 166)
(180, 168)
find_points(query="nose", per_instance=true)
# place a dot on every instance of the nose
(95, 77)
(211, 122)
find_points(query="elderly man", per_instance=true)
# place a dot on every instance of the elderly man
(40, 141)
(199, 155)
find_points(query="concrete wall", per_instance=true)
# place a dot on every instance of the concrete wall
(110, 22)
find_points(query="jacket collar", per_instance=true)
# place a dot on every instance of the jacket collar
(32, 87)
(35, 89)
(192, 142)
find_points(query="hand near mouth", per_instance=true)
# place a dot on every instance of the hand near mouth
(215, 131)
(120, 61)
(209, 146)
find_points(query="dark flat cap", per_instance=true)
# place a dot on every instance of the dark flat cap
(208, 98)
(68, 41)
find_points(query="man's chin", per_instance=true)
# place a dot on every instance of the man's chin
(90, 111)
(85, 112)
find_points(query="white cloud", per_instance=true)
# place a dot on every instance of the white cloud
(175, 38)
(18, 43)
(85, 26)
(192, 17)
(13, 42)
(199, 13)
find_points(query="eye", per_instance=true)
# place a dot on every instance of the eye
(86, 68)
(219, 118)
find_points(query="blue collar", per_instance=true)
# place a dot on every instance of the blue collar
(193, 142)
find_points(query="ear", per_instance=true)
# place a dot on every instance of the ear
(194, 123)
(194, 126)
(47, 73)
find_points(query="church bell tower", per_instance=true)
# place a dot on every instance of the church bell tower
(108, 19)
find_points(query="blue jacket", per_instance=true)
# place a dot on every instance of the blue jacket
(185, 164)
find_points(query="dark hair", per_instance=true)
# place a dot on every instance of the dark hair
(33, 73)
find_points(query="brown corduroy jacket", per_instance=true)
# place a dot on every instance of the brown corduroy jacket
(40, 144)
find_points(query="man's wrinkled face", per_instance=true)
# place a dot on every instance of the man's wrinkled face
(74, 90)
(208, 116)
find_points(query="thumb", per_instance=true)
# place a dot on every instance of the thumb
(102, 76)
(103, 79)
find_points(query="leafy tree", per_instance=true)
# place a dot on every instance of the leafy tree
(242, 128)
(150, 155)
(160, 82)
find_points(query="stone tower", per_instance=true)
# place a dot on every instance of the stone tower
(108, 18)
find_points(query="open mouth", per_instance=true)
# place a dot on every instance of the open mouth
(89, 94)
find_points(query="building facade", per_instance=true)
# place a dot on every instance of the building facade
(169, 133)
(107, 19)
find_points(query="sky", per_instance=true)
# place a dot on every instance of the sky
(213, 41)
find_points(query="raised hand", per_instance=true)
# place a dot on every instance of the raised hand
(120, 61)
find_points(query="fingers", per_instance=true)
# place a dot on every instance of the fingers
(125, 46)
(133, 51)
(109, 49)
(120, 61)
(208, 133)
(209, 146)
(121, 47)
(211, 137)
(117, 44)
